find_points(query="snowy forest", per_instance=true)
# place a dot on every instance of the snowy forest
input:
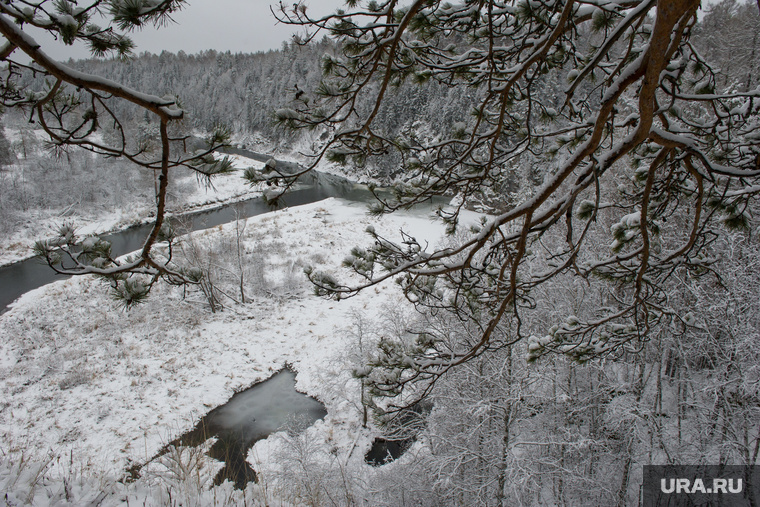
(509, 250)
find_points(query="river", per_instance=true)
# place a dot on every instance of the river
(21, 277)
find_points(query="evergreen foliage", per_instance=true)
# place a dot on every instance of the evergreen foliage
(77, 109)
(635, 140)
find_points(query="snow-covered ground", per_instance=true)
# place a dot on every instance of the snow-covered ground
(95, 388)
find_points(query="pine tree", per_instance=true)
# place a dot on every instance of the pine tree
(75, 108)
(644, 161)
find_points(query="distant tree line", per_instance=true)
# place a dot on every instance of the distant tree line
(243, 91)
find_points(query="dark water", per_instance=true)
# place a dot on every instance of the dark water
(248, 417)
(21, 277)
(384, 451)
(402, 432)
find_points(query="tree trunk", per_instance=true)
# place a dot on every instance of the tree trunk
(502, 477)
(623, 491)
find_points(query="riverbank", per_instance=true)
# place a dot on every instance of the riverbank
(98, 388)
(194, 197)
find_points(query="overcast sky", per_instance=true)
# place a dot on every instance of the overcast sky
(235, 25)
(244, 26)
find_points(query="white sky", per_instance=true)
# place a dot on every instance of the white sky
(243, 26)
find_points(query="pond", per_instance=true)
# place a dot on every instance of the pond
(249, 416)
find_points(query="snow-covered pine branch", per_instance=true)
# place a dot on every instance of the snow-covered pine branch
(76, 109)
(601, 102)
